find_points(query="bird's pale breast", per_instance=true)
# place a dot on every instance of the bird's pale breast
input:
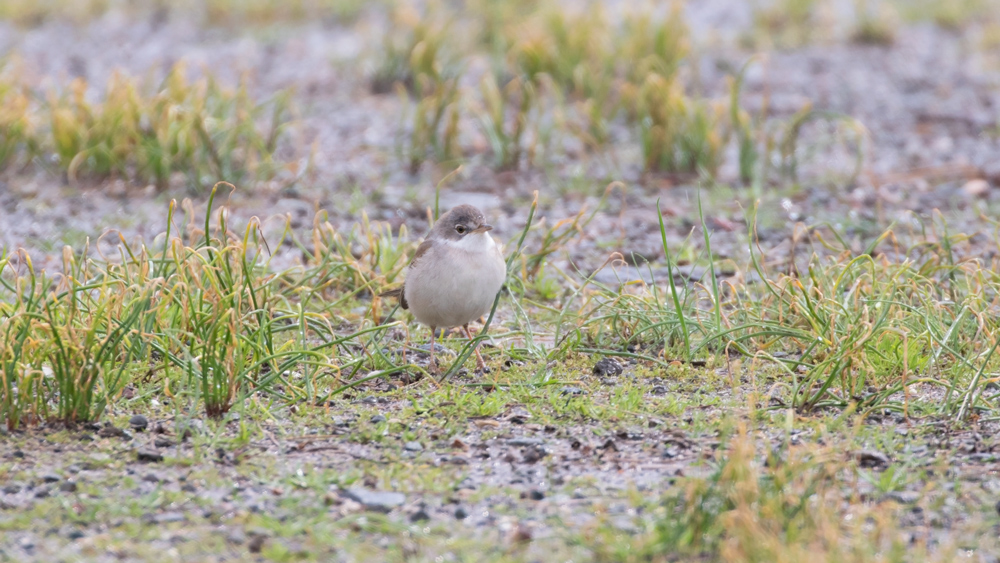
(455, 282)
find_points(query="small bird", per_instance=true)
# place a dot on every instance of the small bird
(456, 274)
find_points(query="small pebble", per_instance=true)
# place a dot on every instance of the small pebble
(414, 446)
(462, 514)
(256, 544)
(68, 487)
(420, 516)
(51, 478)
(377, 419)
(161, 442)
(236, 537)
(607, 366)
(138, 423)
(147, 456)
(380, 501)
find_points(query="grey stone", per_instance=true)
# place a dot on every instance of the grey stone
(380, 501)
(607, 366)
(521, 442)
(904, 497)
(148, 456)
(138, 422)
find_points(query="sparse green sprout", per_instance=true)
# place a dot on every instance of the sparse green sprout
(22, 386)
(419, 61)
(786, 23)
(86, 328)
(679, 134)
(875, 23)
(198, 130)
(17, 126)
(268, 12)
(574, 50)
(652, 45)
(950, 14)
(417, 44)
(507, 133)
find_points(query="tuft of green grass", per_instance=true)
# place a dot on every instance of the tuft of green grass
(786, 24)
(21, 374)
(507, 132)
(17, 125)
(679, 134)
(875, 24)
(237, 13)
(954, 14)
(221, 13)
(197, 130)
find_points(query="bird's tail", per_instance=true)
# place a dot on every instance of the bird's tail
(397, 293)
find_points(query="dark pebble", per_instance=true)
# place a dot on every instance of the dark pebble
(161, 442)
(871, 459)
(42, 493)
(11, 489)
(110, 431)
(147, 456)
(75, 534)
(377, 419)
(607, 366)
(535, 494)
(68, 487)
(51, 478)
(533, 454)
(256, 544)
(462, 514)
(138, 423)
(164, 518)
(420, 516)
(519, 442)
(18, 454)
(571, 391)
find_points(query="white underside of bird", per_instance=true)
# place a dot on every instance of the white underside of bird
(456, 281)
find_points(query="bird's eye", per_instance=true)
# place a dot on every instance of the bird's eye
(460, 229)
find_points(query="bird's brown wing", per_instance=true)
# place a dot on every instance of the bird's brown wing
(398, 292)
(421, 250)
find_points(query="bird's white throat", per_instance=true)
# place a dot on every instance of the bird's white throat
(475, 242)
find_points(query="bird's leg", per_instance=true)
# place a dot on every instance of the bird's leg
(475, 348)
(433, 364)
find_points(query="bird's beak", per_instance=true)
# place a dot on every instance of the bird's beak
(483, 228)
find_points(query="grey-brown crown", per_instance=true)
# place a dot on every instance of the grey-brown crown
(458, 222)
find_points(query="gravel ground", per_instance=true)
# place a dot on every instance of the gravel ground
(930, 106)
